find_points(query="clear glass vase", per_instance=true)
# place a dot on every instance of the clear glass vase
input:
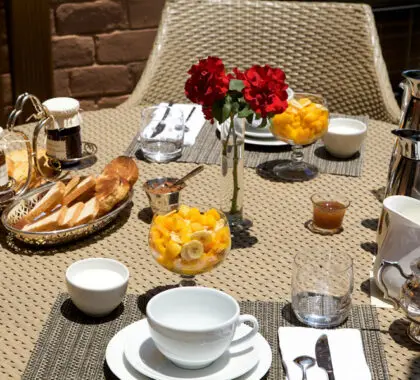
(232, 136)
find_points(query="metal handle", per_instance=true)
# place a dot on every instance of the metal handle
(331, 375)
(43, 116)
(192, 173)
(387, 296)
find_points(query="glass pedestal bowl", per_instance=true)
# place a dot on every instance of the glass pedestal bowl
(190, 241)
(304, 121)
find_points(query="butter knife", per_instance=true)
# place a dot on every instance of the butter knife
(161, 126)
(323, 356)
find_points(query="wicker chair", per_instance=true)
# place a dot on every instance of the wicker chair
(328, 48)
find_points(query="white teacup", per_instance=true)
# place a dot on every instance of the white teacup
(344, 137)
(194, 326)
(97, 285)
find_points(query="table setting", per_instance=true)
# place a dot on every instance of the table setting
(248, 269)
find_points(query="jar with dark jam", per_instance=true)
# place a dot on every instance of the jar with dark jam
(64, 141)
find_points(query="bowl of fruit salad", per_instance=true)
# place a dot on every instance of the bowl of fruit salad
(304, 121)
(190, 240)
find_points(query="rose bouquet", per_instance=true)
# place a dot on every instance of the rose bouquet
(231, 98)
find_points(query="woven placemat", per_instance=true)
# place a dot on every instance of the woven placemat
(207, 148)
(72, 345)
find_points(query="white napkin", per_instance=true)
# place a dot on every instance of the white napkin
(346, 347)
(193, 125)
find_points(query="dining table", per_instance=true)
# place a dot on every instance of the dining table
(258, 268)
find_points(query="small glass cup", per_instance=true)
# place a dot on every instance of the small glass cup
(328, 212)
(162, 133)
(322, 286)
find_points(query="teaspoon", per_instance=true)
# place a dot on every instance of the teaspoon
(304, 362)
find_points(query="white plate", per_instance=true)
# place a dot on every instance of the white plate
(118, 364)
(263, 142)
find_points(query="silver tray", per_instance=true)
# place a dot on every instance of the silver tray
(21, 207)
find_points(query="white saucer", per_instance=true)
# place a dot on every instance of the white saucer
(124, 371)
(143, 355)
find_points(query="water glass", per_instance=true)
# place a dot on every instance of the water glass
(162, 133)
(322, 285)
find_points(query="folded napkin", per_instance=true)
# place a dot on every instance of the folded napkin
(193, 125)
(346, 347)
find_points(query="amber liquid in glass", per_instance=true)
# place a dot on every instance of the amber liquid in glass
(328, 214)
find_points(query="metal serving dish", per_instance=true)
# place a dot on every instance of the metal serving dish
(13, 213)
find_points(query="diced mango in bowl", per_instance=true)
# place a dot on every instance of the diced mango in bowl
(303, 122)
(189, 242)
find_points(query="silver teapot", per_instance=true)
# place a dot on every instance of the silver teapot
(406, 156)
(409, 297)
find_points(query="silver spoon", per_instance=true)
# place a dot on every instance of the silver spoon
(304, 362)
(192, 173)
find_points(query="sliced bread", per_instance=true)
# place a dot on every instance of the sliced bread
(71, 185)
(48, 223)
(70, 214)
(86, 186)
(50, 200)
(89, 212)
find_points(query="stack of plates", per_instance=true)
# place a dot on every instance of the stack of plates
(260, 136)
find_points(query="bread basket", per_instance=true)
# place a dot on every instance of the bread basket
(21, 207)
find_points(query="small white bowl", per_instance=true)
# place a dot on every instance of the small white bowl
(97, 285)
(344, 137)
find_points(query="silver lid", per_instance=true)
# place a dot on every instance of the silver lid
(62, 107)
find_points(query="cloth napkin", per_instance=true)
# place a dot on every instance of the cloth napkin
(346, 347)
(193, 125)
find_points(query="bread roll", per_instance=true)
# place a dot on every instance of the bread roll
(125, 167)
(110, 190)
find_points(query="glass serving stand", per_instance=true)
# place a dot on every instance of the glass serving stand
(304, 121)
(190, 241)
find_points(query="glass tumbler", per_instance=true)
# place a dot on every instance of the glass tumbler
(162, 133)
(322, 285)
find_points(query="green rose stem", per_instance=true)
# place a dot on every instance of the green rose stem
(234, 200)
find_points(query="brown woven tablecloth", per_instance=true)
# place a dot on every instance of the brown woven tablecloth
(258, 268)
(69, 334)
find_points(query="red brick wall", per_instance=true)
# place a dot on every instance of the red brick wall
(5, 80)
(100, 47)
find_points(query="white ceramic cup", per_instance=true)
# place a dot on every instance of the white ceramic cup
(344, 137)
(97, 285)
(194, 326)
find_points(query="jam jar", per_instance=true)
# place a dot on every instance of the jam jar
(64, 140)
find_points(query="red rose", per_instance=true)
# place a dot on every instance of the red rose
(207, 84)
(265, 89)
